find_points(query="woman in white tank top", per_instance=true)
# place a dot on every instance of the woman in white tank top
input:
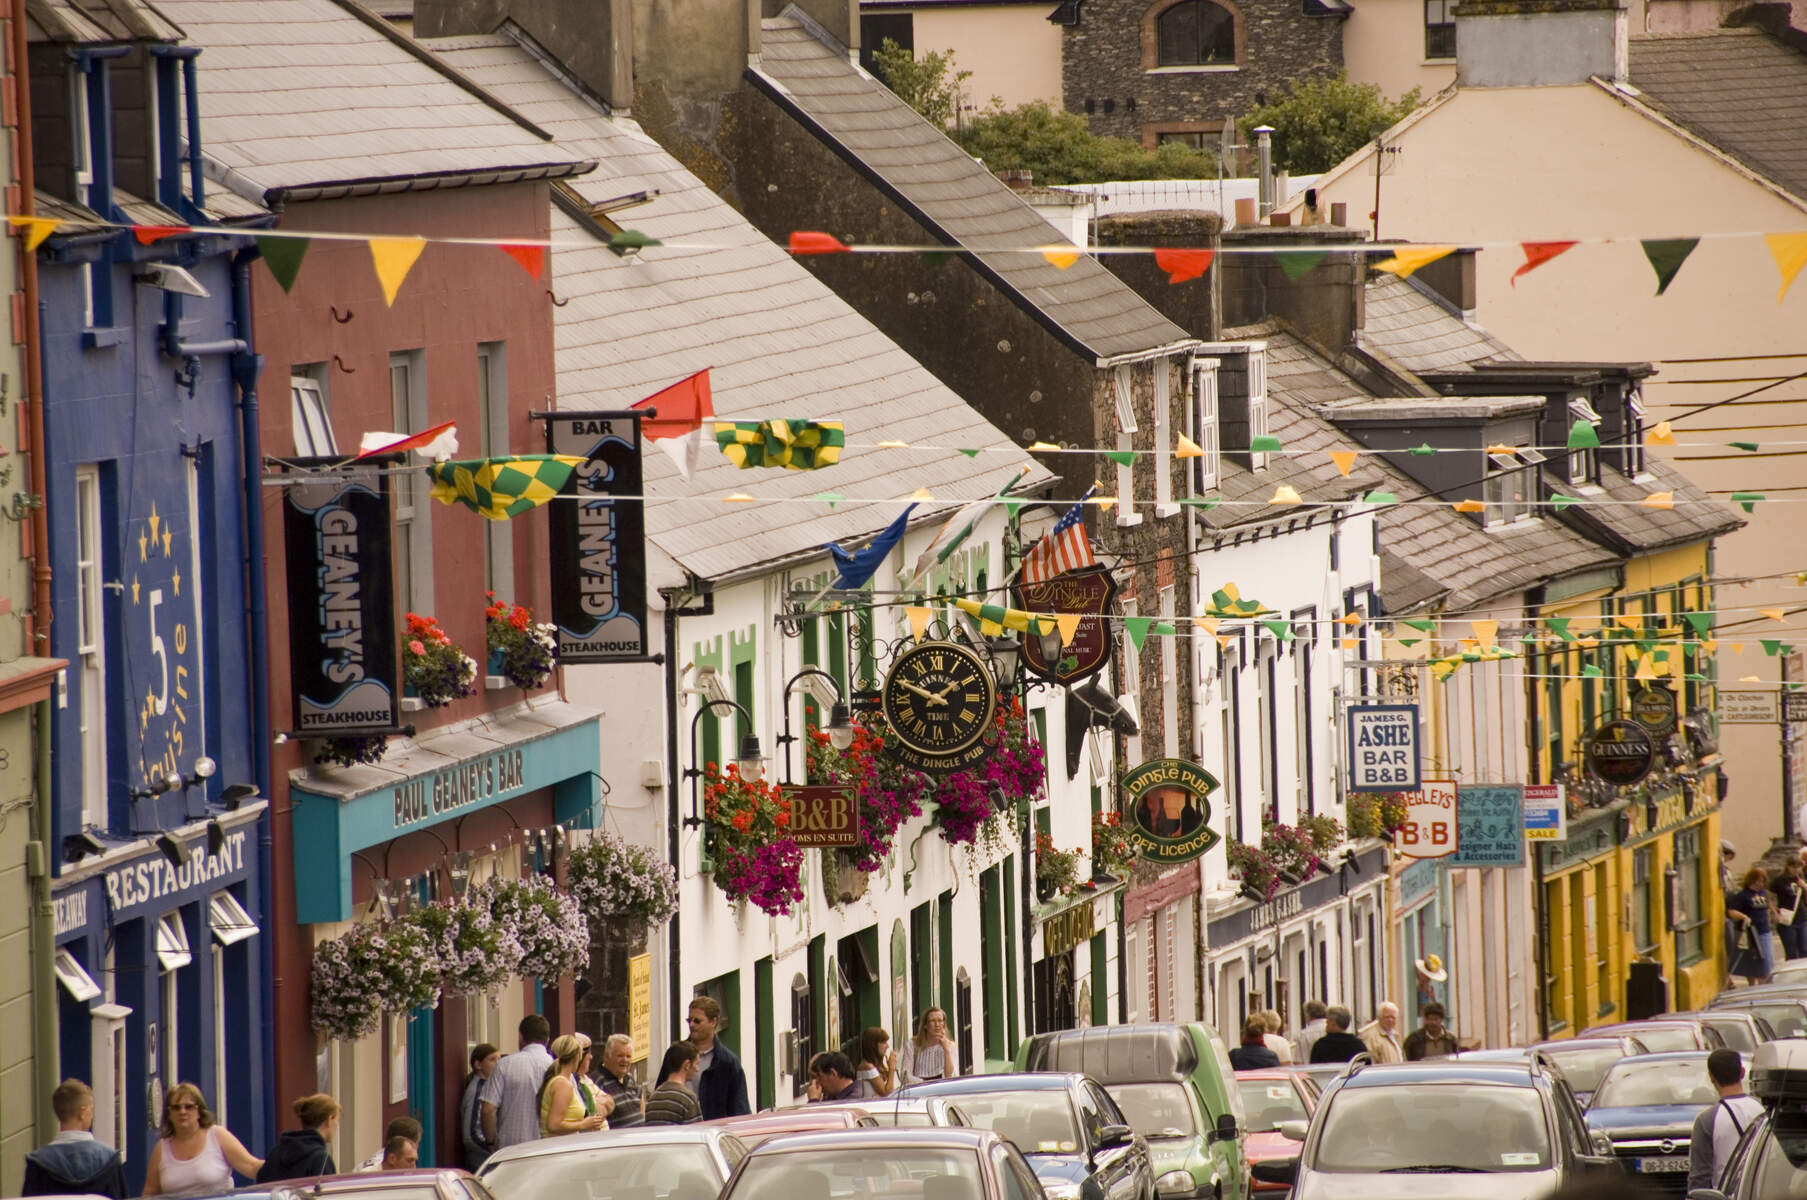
(196, 1156)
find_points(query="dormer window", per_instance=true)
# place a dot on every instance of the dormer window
(1205, 424)
(1257, 361)
(1583, 465)
(1634, 432)
(1509, 490)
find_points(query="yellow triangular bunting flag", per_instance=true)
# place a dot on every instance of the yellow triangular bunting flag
(1645, 672)
(921, 493)
(1104, 503)
(1484, 631)
(737, 498)
(1790, 252)
(1502, 448)
(1407, 259)
(1188, 448)
(1749, 679)
(1660, 435)
(919, 620)
(1223, 641)
(394, 258)
(1659, 500)
(1061, 256)
(1286, 494)
(1351, 643)
(1208, 624)
(36, 229)
(1069, 625)
(1344, 460)
(1469, 506)
(1710, 645)
(1351, 619)
(1774, 614)
(1042, 447)
(902, 446)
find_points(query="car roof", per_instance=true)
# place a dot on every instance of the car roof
(1695, 1056)
(1615, 1041)
(813, 1116)
(604, 1139)
(368, 1181)
(1021, 1081)
(1442, 1070)
(1117, 1053)
(867, 1140)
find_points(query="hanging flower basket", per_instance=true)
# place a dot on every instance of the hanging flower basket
(1056, 870)
(548, 924)
(519, 650)
(1375, 814)
(611, 877)
(352, 751)
(1113, 853)
(475, 953)
(1254, 867)
(755, 858)
(889, 793)
(434, 669)
(1016, 770)
(345, 1000)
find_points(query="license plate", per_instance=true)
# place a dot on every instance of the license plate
(1668, 1165)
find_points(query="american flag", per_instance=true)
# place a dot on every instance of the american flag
(1064, 548)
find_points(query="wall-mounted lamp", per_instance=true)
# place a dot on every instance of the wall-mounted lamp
(826, 691)
(173, 849)
(750, 761)
(78, 846)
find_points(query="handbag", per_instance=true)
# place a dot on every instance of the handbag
(1785, 916)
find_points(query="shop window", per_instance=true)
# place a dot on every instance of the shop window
(1603, 927)
(1553, 1010)
(963, 1019)
(1643, 942)
(1689, 915)
(1196, 33)
(803, 1028)
(74, 977)
(91, 646)
(230, 923)
(1439, 29)
(991, 938)
(922, 959)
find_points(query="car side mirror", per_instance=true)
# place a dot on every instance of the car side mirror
(1292, 1131)
(1601, 1143)
(1226, 1130)
(1281, 1171)
(1115, 1135)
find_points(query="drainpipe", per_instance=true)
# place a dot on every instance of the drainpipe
(43, 923)
(1264, 152)
(673, 778)
(39, 638)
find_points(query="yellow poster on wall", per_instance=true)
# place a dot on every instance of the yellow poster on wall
(640, 1004)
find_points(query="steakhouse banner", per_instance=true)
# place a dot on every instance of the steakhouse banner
(598, 538)
(342, 652)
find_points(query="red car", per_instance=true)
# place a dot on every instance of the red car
(1271, 1095)
(804, 1118)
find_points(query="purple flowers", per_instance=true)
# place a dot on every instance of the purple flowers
(769, 874)
(1016, 769)
(612, 877)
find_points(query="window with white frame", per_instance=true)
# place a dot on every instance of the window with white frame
(1634, 432)
(1509, 489)
(492, 404)
(1230, 672)
(309, 415)
(218, 955)
(1303, 647)
(1205, 424)
(413, 518)
(1122, 380)
(1258, 425)
(81, 131)
(106, 1050)
(1163, 439)
(91, 638)
(1132, 680)
(1265, 682)
(172, 955)
(1584, 465)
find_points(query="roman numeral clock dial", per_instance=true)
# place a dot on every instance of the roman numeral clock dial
(939, 699)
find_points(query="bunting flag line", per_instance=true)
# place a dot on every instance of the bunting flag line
(1537, 254)
(532, 258)
(1184, 265)
(795, 445)
(283, 256)
(438, 443)
(995, 618)
(858, 566)
(1790, 252)
(957, 528)
(678, 429)
(1407, 259)
(1666, 257)
(500, 488)
(394, 258)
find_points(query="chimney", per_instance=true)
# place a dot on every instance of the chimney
(1539, 43)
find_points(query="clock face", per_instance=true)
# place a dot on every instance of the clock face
(939, 699)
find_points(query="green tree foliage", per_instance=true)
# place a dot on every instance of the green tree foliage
(1320, 122)
(930, 84)
(1058, 147)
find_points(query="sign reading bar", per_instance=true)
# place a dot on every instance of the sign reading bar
(1429, 830)
(1747, 707)
(823, 817)
(1169, 810)
(342, 653)
(1091, 591)
(1383, 747)
(1546, 812)
(598, 539)
(1490, 820)
(1621, 753)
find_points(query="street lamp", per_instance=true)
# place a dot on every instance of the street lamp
(827, 694)
(750, 761)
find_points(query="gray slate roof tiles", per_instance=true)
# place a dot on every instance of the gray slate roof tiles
(1418, 333)
(1739, 89)
(919, 166)
(779, 343)
(85, 22)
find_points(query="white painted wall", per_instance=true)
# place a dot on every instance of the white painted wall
(1012, 50)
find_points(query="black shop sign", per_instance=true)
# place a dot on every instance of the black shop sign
(1621, 753)
(598, 539)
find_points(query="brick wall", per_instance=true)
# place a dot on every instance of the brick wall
(1107, 60)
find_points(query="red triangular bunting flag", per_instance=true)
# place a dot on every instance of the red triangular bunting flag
(410, 442)
(531, 258)
(1537, 254)
(1182, 265)
(682, 407)
(146, 234)
(807, 242)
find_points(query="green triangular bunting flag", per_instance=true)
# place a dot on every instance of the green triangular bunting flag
(1560, 627)
(1747, 447)
(632, 239)
(1746, 500)
(1701, 621)
(1583, 436)
(1591, 672)
(1123, 458)
(1772, 646)
(283, 256)
(833, 498)
(1380, 498)
(1422, 449)
(1421, 626)
(1561, 501)
(970, 453)
(1265, 443)
(1299, 263)
(1137, 628)
(1164, 629)
(1666, 257)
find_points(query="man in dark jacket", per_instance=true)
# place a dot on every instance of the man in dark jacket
(1337, 1044)
(73, 1162)
(721, 1089)
(1253, 1054)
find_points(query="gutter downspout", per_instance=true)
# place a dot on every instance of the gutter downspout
(673, 777)
(34, 365)
(45, 1064)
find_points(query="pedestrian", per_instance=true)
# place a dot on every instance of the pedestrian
(1717, 1129)
(196, 1156)
(877, 1064)
(672, 1102)
(1310, 1032)
(721, 1086)
(303, 1153)
(1254, 1053)
(615, 1077)
(1430, 972)
(831, 1077)
(1381, 1035)
(1790, 921)
(931, 1054)
(1275, 1039)
(1337, 1044)
(1432, 1038)
(405, 1128)
(74, 1162)
(400, 1154)
(477, 1149)
(1727, 880)
(1748, 909)
(510, 1100)
(566, 1102)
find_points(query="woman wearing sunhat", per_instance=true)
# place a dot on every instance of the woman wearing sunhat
(1430, 971)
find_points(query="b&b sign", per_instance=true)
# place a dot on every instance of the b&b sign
(1383, 747)
(1430, 821)
(823, 817)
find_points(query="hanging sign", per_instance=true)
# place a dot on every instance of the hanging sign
(1383, 747)
(1621, 753)
(1794, 707)
(1653, 708)
(342, 653)
(823, 817)
(1091, 592)
(598, 539)
(1546, 812)
(1429, 830)
(1169, 810)
(1490, 826)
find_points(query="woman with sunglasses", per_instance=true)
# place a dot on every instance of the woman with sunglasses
(196, 1155)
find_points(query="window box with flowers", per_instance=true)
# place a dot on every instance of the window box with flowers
(751, 854)
(1056, 870)
(1015, 771)
(889, 793)
(435, 670)
(1113, 854)
(1374, 814)
(520, 651)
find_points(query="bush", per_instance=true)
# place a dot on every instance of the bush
(1059, 147)
(1320, 122)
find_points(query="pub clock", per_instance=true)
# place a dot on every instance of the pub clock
(939, 699)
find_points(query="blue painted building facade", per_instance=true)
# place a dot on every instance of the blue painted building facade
(160, 732)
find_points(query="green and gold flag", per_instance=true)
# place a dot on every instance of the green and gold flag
(791, 444)
(500, 488)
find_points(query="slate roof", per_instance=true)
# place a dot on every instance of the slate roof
(778, 340)
(921, 169)
(1418, 332)
(87, 22)
(1739, 89)
(1642, 529)
(306, 93)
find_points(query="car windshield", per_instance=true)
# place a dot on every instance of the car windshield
(1267, 1102)
(1433, 1128)
(1039, 1122)
(1787, 1019)
(861, 1173)
(1156, 1110)
(1636, 1084)
(1584, 1067)
(1735, 1034)
(903, 1117)
(1661, 1040)
(658, 1171)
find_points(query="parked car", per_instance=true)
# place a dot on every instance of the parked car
(1583, 1060)
(906, 1112)
(1784, 1008)
(934, 1163)
(1076, 1139)
(427, 1183)
(1740, 1029)
(1439, 1130)
(1663, 1035)
(1647, 1106)
(1269, 1096)
(802, 1118)
(1790, 970)
(1770, 1160)
(647, 1162)
(1174, 1084)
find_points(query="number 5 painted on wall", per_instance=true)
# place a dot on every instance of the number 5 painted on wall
(157, 649)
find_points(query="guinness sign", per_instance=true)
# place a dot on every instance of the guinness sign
(1621, 753)
(1090, 591)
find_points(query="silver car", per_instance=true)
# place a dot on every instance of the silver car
(658, 1162)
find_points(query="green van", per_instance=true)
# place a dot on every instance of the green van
(1175, 1085)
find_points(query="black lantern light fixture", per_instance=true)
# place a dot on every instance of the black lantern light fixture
(749, 760)
(825, 690)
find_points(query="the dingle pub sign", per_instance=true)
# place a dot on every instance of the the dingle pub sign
(342, 653)
(1090, 591)
(598, 538)
(1168, 810)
